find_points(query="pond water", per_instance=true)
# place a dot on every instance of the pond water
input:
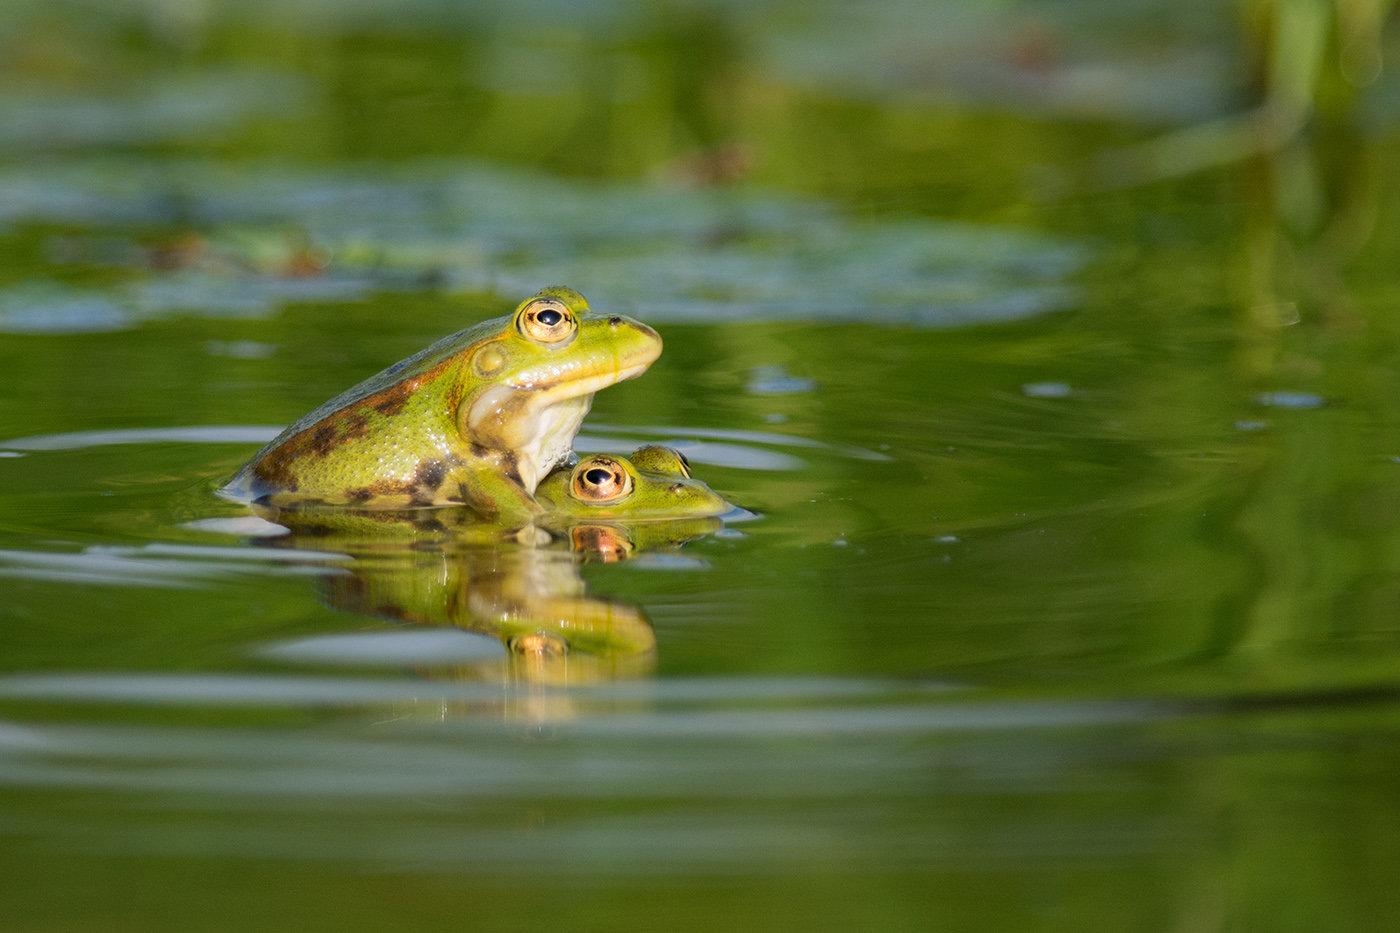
(1064, 595)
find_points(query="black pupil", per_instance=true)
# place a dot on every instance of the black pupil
(597, 476)
(549, 317)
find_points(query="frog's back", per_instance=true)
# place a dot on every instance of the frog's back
(344, 420)
(416, 368)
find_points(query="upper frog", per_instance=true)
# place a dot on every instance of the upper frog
(478, 418)
(653, 484)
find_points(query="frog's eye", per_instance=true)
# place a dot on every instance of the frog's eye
(547, 321)
(600, 479)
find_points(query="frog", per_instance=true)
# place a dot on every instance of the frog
(654, 483)
(477, 419)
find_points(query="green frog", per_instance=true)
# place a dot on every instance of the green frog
(653, 484)
(476, 419)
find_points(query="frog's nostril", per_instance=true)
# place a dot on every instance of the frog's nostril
(614, 320)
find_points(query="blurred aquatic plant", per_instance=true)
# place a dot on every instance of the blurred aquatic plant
(1308, 59)
(51, 307)
(203, 107)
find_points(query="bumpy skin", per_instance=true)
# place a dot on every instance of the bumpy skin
(476, 419)
(658, 487)
(660, 461)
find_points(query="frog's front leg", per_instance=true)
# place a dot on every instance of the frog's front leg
(495, 493)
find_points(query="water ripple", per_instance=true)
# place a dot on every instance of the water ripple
(155, 565)
(197, 434)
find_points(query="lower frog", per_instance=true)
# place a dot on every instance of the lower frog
(653, 484)
(476, 419)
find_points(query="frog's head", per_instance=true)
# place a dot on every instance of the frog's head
(660, 461)
(654, 484)
(527, 387)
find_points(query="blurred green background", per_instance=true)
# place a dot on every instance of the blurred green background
(1053, 343)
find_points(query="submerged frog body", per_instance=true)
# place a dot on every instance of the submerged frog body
(653, 484)
(476, 419)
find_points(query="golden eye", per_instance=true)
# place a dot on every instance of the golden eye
(600, 479)
(547, 321)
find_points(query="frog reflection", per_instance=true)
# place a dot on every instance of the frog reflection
(443, 567)
(531, 598)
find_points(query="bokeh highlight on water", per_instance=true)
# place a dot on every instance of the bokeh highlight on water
(1059, 408)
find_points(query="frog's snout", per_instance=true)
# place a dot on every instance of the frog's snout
(618, 322)
(647, 334)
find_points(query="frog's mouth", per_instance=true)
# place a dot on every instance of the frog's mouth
(585, 385)
(552, 381)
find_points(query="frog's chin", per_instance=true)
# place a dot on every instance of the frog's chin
(531, 431)
(534, 424)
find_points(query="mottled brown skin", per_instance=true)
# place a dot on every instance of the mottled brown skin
(477, 418)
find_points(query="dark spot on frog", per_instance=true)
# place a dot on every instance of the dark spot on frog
(323, 441)
(510, 465)
(357, 425)
(428, 480)
(430, 474)
(392, 404)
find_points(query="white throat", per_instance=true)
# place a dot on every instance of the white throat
(552, 441)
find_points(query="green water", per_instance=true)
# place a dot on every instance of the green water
(1068, 600)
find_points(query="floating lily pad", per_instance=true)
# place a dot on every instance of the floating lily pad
(737, 255)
